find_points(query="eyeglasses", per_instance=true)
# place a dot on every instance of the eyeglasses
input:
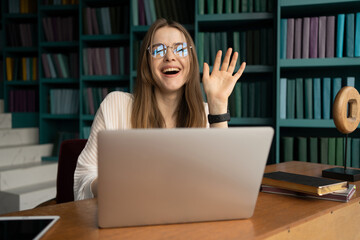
(159, 50)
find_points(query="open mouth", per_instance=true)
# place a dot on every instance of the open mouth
(170, 71)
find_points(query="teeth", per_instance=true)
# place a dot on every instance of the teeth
(171, 70)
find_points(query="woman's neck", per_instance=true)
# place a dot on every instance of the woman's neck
(168, 105)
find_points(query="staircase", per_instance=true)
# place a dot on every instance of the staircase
(25, 180)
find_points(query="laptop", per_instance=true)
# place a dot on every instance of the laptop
(166, 176)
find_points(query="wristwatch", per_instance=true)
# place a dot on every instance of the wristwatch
(219, 118)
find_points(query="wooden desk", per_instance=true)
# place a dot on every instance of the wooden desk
(275, 217)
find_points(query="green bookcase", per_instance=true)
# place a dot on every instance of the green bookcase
(19, 118)
(311, 68)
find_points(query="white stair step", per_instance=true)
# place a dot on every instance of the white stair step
(19, 136)
(23, 198)
(1, 105)
(5, 120)
(10, 156)
(27, 174)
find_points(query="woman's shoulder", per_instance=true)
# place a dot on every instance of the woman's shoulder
(118, 97)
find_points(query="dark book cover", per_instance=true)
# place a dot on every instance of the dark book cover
(303, 183)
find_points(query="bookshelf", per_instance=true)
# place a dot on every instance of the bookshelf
(23, 54)
(58, 27)
(211, 26)
(315, 136)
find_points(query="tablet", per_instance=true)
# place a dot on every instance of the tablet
(25, 227)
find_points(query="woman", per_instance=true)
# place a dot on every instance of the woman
(167, 95)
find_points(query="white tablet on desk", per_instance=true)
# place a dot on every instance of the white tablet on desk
(25, 227)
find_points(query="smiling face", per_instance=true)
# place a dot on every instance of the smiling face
(171, 70)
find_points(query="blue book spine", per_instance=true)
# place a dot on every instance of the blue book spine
(357, 36)
(336, 87)
(283, 98)
(326, 96)
(317, 98)
(350, 34)
(350, 81)
(340, 35)
(283, 38)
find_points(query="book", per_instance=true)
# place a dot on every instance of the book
(308, 98)
(322, 37)
(290, 38)
(336, 87)
(302, 149)
(339, 196)
(297, 37)
(330, 37)
(357, 35)
(339, 151)
(314, 37)
(317, 98)
(303, 183)
(350, 34)
(283, 91)
(283, 38)
(287, 149)
(324, 144)
(331, 151)
(305, 37)
(355, 153)
(340, 35)
(290, 98)
(326, 97)
(313, 149)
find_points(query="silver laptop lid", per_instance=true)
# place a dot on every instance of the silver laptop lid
(158, 176)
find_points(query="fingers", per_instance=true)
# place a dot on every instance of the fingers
(217, 60)
(240, 71)
(225, 64)
(233, 62)
(206, 70)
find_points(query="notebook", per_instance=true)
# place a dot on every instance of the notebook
(165, 176)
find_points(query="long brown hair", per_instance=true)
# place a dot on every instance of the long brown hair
(145, 112)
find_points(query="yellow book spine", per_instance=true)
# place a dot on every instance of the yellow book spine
(22, 6)
(9, 68)
(35, 70)
(23, 61)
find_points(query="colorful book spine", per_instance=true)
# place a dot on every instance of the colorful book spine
(317, 98)
(322, 37)
(299, 98)
(314, 37)
(283, 38)
(283, 91)
(350, 34)
(330, 36)
(357, 35)
(305, 37)
(326, 97)
(297, 38)
(340, 35)
(290, 38)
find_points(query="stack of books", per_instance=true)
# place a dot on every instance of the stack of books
(307, 186)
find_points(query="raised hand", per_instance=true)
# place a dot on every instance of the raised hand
(220, 83)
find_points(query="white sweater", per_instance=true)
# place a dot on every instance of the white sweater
(114, 113)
